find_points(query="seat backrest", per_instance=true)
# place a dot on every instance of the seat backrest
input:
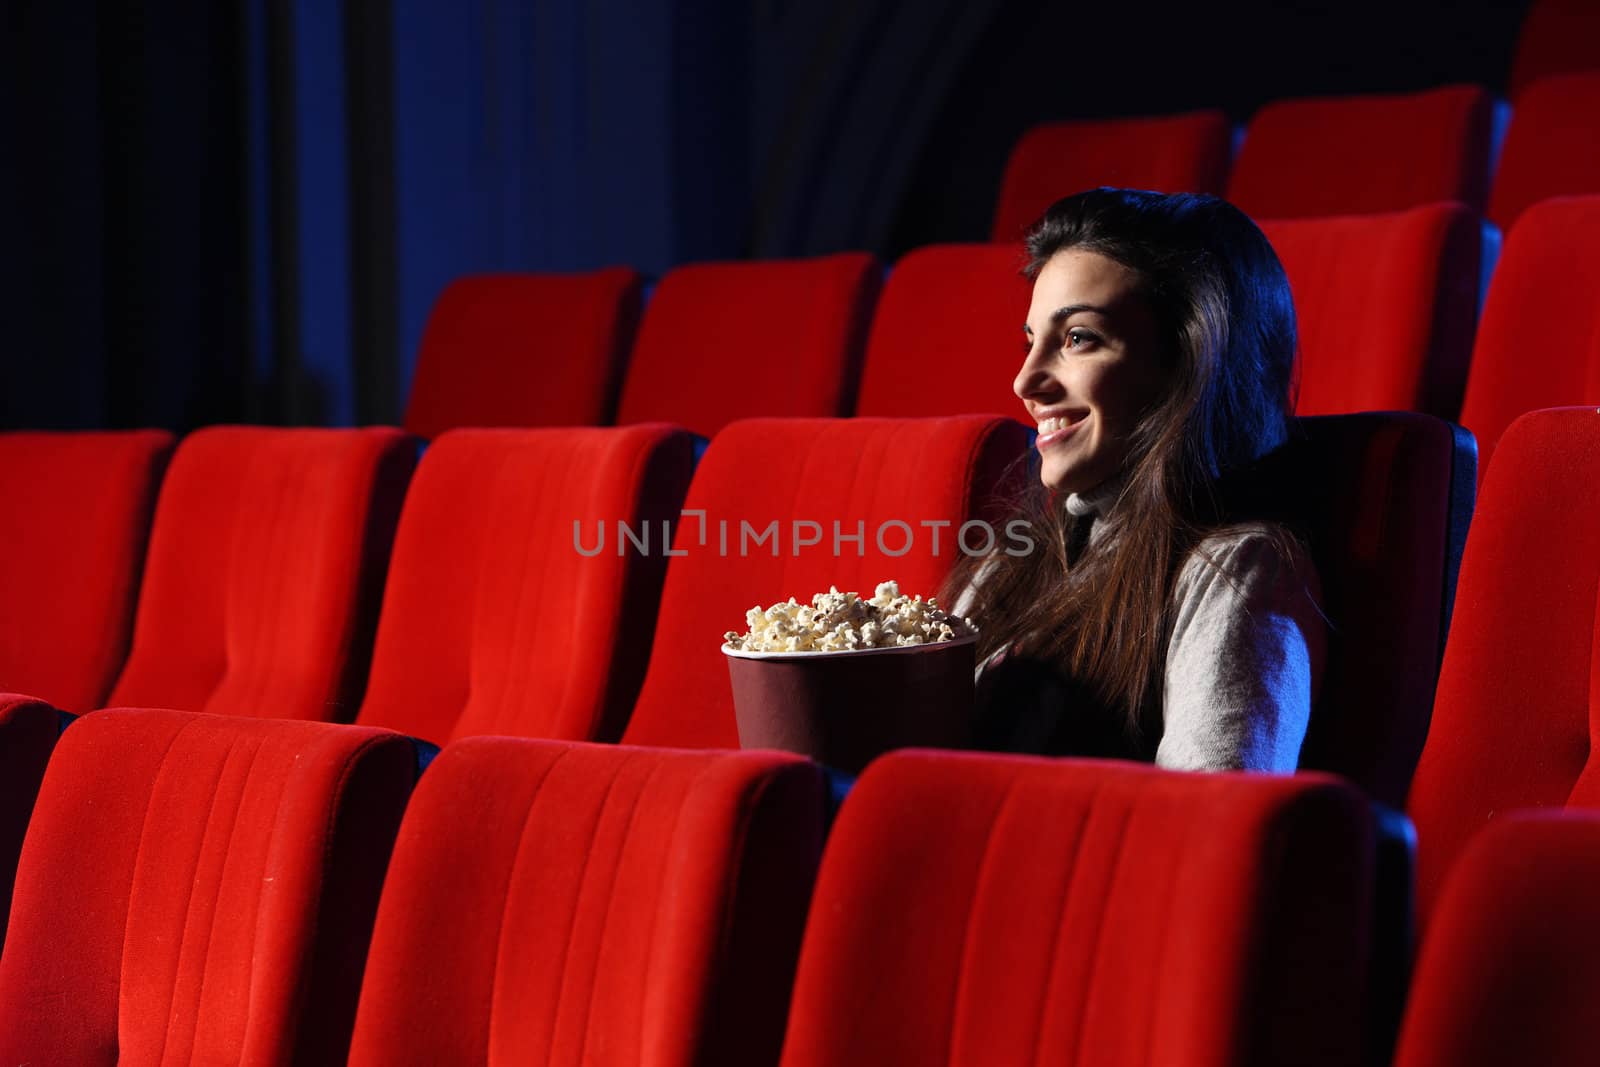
(1510, 969)
(1345, 155)
(1385, 306)
(1170, 154)
(553, 903)
(1383, 501)
(494, 621)
(1538, 342)
(265, 571)
(199, 889)
(1551, 148)
(978, 909)
(726, 341)
(947, 336)
(1513, 723)
(28, 730)
(774, 493)
(525, 350)
(1557, 37)
(71, 555)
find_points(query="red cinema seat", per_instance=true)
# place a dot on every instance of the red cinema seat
(1384, 306)
(554, 903)
(1170, 154)
(70, 557)
(999, 910)
(1538, 342)
(726, 341)
(1382, 501)
(1557, 37)
(1510, 969)
(199, 889)
(1551, 146)
(265, 570)
(494, 621)
(1357, 155)
(525, 350)
(947, 336)
(28, 730)
(1514, 719)
(792, 484)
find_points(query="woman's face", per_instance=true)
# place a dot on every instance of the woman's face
(1093, 367)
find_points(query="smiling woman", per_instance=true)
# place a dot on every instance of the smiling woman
(1158, 353)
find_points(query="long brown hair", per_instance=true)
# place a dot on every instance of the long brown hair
(1226, 322)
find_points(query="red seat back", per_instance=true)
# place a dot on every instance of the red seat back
(199, 889)
(71, 555)
(265, 571)
(947, 336)
(726, 341)
(525, 350)
(984, 910)
(1508, 972)
(1513, 723)
(1352, 155)
(1551, 148)
(1385, 306)
(767, 476)
(1170, 154)
(554, 903)
(1538, 343)
(493, 621)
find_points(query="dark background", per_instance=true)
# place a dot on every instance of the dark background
(241, 211)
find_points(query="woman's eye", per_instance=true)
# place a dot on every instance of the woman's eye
(1079, 338)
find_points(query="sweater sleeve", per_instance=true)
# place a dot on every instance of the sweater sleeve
(1244, 658)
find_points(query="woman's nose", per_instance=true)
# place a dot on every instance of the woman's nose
(1033, 381)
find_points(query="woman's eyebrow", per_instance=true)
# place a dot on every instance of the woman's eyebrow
(1061, 314)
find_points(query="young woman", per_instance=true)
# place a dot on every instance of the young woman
(1145, 623)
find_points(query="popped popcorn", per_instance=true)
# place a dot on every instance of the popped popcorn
(843, 622)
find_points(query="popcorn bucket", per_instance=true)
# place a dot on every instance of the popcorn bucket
(843, 709)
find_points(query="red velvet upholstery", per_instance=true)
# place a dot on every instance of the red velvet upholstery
(1551, 148)
(947, 335)
(726, 341)
(1510, 970)
(493, 622)
(1519, 697)
(977, 910)
(70, 557)
(1538, 343)
(1383, 502)
(1385, 306)
(525, 350)
(1557, 37)
(769, 471)
(1350, 155)
(28, 731)
(199, 889)
(553, 903)
(1172, 154)
(265, 570)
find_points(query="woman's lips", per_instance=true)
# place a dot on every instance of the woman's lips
(1045, 440)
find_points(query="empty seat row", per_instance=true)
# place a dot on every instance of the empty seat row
(1386, 307)
(1296, 159)
(233, 899)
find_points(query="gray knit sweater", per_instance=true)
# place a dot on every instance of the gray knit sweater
(1245, 653)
